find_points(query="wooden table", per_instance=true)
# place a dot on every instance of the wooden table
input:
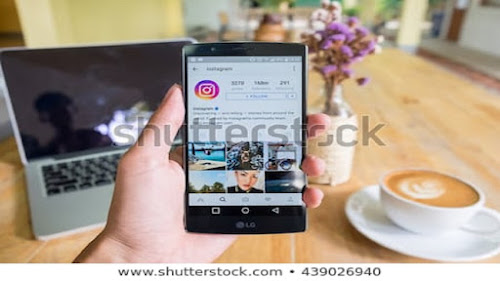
(433, 119)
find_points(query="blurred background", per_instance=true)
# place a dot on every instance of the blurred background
(458, 34)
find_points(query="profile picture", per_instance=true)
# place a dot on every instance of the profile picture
(206, 89)
(282, 157)
(251, 181)
(245, 156)
(206, 156)
(276, 182)
(207, 182)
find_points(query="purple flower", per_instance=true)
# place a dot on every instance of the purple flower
(362, 31)
(338, 27)
(349, 37)
(364, 52)
(339, 44)
(337, 38)
(357, 58)
(368, 49)
(347, 72)
(346, 51)
(363, 81)
(371, 45)
(352, 21)
(327, 70)
(321, 33)
(334, 26)
(327, 44)
(344, 29)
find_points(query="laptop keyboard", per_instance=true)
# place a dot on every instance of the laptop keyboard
(80, 174)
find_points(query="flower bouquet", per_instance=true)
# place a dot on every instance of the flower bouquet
(334, 46)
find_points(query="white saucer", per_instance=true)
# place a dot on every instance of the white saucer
(365, 213)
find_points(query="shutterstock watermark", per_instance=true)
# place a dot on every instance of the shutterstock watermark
(212, 131)
(367, 134)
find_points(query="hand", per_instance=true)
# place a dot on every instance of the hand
(145, 221)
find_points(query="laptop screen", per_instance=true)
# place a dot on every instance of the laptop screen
(74, 99)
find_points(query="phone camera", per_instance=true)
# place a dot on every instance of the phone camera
(212, 49)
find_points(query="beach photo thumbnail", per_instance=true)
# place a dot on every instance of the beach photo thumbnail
(206, 156)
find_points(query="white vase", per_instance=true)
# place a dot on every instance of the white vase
(337, 145)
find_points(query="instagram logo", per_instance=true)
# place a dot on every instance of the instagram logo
(206, 89)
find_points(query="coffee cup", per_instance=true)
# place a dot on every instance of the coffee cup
(428, 202)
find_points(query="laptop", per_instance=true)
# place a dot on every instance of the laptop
(74, 112)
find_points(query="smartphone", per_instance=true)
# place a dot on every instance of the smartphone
(244, 136)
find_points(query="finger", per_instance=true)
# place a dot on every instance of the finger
(313, 166)
(312, 197)
(317, 124)
(157, 137)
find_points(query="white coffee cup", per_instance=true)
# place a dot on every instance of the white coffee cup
(426, 219)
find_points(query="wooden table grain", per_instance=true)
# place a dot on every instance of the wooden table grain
(433, 119)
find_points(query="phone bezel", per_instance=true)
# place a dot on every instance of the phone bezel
(253, 224)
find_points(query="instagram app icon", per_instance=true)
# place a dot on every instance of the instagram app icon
(206, 89)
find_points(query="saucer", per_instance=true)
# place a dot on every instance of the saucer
(364, 211)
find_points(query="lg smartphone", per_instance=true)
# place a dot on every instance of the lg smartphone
(245, 110)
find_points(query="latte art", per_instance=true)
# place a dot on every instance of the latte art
(421, 190)
(431, 188)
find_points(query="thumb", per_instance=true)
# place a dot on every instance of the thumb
(157, 137)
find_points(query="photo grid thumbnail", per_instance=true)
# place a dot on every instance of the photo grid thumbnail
(245, 156)
(207, 156)
(251, 181)
(207, 182)
(281, 157)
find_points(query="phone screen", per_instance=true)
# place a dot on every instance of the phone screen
(244, 135)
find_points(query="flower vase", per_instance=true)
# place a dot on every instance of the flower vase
(270, 29)
(336, 146)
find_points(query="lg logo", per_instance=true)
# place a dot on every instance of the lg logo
(241, 225)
